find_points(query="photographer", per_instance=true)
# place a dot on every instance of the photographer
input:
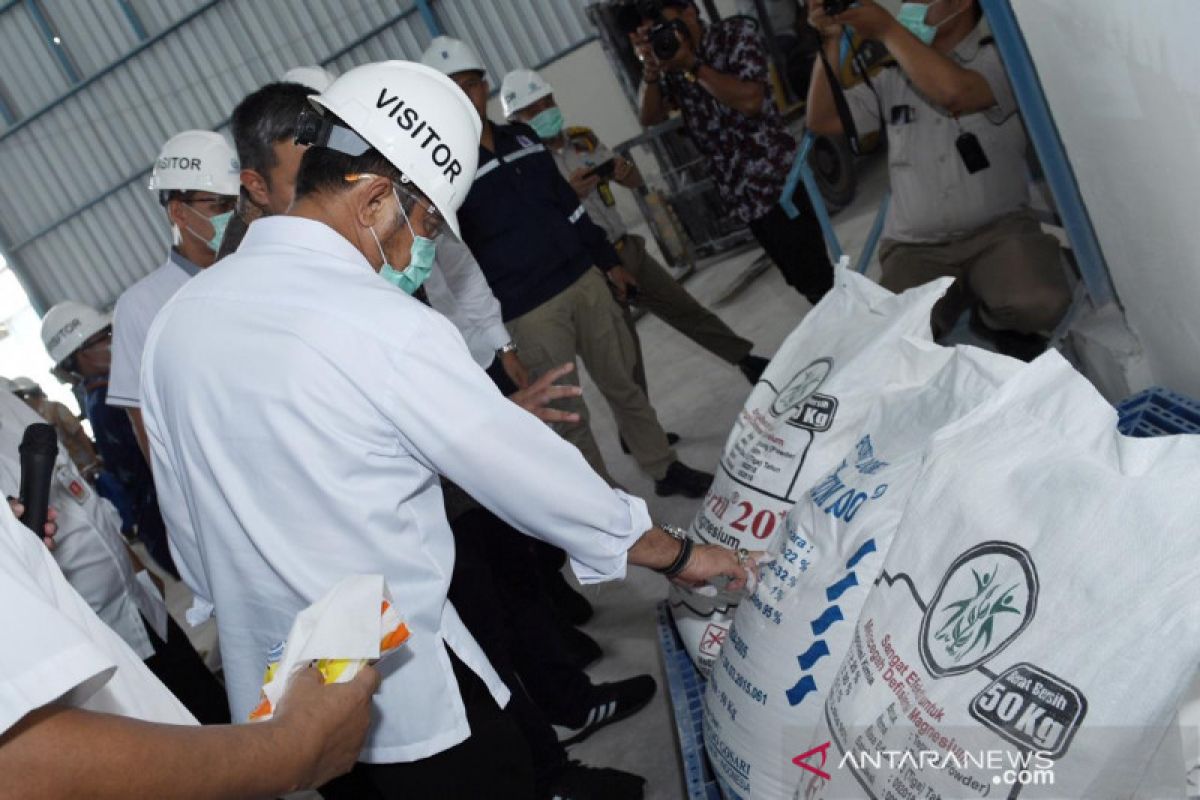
(717, 76)
(956, 155)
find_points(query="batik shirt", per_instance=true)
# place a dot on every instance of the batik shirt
(749, 157)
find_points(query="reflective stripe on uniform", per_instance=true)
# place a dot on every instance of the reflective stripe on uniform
(513, 156)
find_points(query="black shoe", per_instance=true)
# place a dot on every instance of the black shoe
(572, 607)
(609, 703)
(752, 367)
(1023, 346)
(682, 479)
(672, 439)
(580, 782)
(581, 648)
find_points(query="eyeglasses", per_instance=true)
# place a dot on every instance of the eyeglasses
(432, 220)
(218, 203)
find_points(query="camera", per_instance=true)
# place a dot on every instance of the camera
(663, 33)
(835, 7)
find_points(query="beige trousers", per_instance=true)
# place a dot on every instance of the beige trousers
(1009, 268)
(584, 321)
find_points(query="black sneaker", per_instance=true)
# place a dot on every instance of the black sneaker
(752, 367)
(682, 479)
(580, 782)
(581, 648)
(672, 439)
(609, 703)
(570, 605)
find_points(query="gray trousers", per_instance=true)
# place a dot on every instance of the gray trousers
(661, 295)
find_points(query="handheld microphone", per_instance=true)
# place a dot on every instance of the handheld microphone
(38, 450)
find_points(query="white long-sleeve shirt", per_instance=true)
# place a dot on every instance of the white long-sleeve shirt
(56, 650)
(458, 289)
(299, 410)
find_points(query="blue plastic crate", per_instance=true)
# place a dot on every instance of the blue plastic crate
(1158, 412)
(687, 705)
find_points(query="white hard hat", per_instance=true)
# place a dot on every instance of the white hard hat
(68, 325)
(24, 385)
(522, 88)
(197, 161)
(6, 385)
(449, 56)
(315, 78)
(417, 118)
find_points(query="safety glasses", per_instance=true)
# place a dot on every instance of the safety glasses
(432, 221)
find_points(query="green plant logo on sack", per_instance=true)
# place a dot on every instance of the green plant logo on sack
(802, 386)
(987, 597)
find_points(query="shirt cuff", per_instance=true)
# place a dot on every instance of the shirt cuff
(610, 564)
(497, 335)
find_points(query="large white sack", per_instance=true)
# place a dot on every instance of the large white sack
(1038, 610)
(788, 639)
(796, 424)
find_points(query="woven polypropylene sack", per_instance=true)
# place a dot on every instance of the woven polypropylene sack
(1036, 620)
(796, 423)
(788, 639)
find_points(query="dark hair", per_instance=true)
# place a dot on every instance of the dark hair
(323, 169)
(263, 119)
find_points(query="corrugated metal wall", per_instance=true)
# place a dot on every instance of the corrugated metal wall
(76, 219)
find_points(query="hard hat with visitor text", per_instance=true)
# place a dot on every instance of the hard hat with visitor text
(417, 118)
(68, 325)
(449, 56)
(520, 89)
(197, 161)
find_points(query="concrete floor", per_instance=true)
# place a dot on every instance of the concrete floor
(697, 396)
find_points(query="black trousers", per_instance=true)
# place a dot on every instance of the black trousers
(797, 247)
(499, 594)
(492, 763)
(181, 669)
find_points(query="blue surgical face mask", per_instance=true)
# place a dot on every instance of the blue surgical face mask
(912, 16)
(420, 263)
(548, 123)
(219, 223)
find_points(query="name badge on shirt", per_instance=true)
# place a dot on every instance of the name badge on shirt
(902, 115)
(70, 480)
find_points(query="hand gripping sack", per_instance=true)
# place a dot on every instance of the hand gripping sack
(788, 638)
(798, 421)
(1036, 620)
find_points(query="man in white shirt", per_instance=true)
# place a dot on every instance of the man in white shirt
(264, 133)
(96, 561)
(196, 178)
(81, 716)
(498, 585)
(300, 410)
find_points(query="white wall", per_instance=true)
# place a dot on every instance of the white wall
(1123, 82)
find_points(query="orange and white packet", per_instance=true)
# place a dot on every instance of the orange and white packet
(354, 624)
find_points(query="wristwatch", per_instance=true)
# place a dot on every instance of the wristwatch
(692, 73)
(511, 347)
(685, 551)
